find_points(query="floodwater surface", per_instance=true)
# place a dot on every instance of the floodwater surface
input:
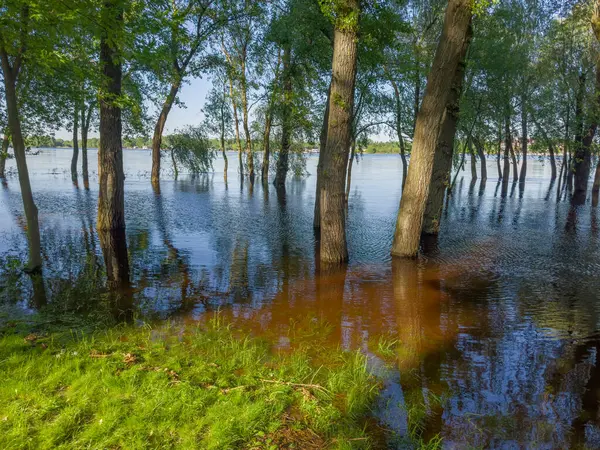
(496, 330)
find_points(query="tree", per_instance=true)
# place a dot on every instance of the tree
(15, 46)
(190, 148)
(183, 30)
(429, 123)
(111, 179)
(218, 118)
(333, 246)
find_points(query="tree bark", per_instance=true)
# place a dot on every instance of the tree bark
(442, 163)
(237, 127)
(85, 126)
(286, 121)
(339, 134)
(507, 152)
(75, 157)
(245, 122)
(399, 130)
(479, 146)
(429, 124)
(222, 140)
(158, 131)
(322, 144)
(4, 153)
(583, 152)
(473, 162)
(499, 150)
(111, 179)
(525, 140)
(10, 74)
(114, 250)
(350, 164)
(514, 163)
(266, 148)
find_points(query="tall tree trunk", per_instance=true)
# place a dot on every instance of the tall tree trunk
(525, 139)
(266, 148)
(222, 140)
(114, 250)
(286, 120)
(4, 153)
(350, 164)
(583, 152)
(479, 146)
(442, 163)
(10, 75)
(75, 157)
(339, 134)
(322, 144)
(430, 120)
(577, 152)
(499, 150)
(507, 152)
(111, 179)
(158, 131)
(473, 162)
(245, 122)
(85, 126)
(237, 127)
(398, 114)
(417, 103)
(513, 157)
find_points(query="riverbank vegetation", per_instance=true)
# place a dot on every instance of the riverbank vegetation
(178, 386)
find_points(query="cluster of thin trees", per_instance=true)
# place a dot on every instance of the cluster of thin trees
(436, 74)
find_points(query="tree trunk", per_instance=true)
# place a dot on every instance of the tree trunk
(499, 150)
(525, 140)
(10, 75)
(339, 134)
(4, 153)
(158, 131)
(174, 162)
(75, 157)
(350, 164)
(224, 153)
(322, 144)
(429, 124)
(266, 148)
(399, 131)
(596, 186)
(111, 179)
(583, 152)
(417, 103)
(481, 152)
(85, 126)
(473, 162)
(513, 157)
(442, 163)
(507, 152)
(245, 122)
(114, 250)
(286, 120)
(237, 127)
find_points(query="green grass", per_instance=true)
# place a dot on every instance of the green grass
(175, 387)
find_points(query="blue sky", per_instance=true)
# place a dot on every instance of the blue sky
(193, 95)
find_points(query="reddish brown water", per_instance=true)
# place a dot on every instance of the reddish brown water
(498, 321)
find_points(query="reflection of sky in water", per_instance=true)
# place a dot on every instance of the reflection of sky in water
(502, 319)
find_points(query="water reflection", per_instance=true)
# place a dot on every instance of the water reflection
(498, 322)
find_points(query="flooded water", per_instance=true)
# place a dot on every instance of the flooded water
(498, 325)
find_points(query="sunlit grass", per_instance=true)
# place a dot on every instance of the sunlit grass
(174, 387)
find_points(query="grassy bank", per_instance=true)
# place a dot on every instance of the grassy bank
(175, 387)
